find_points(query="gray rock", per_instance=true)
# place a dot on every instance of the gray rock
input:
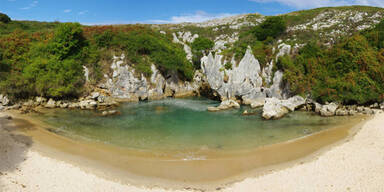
(101, 99)
(29, 103)
(95, 95)
(50, 104)
(294, 102)
(243, 81)
(352, 112)
(40, 100)
(258, 103)
(74, 105)
(4, 100)
(360, 109)
(88, 104)
(329, 110)
(225, 105)
(342, 112)
(64, 105)
(274, 109)
(111, 112)
(368, 111)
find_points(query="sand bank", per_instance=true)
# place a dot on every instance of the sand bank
(356, 165)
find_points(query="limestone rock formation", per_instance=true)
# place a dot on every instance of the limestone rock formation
(50, 104)
(329, 110)
(274, 109)
(126, 84)
(4, 101)
(225, 105)
(244, 80)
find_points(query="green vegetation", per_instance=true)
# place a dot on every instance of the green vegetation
(4, 18)
(49, 62)
(272, 27)
(351, 72)
(50, 67)
(260, 39)
(200, 47)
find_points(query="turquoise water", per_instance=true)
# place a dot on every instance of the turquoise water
(183, 125)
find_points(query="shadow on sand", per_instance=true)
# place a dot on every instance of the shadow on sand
(13, 148)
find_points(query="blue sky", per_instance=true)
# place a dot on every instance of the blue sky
(156, 11)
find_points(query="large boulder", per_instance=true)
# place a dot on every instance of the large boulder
(294, 102)
(88, 104)
(329, 110)
(95, 95)
(225, 105)
(342, 112)
(40, 100)
(274, 109)
(4, 100)
(50, 104)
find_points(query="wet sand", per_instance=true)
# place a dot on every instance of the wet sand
(146, 169)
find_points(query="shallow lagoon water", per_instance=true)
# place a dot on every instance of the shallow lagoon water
(183, 126)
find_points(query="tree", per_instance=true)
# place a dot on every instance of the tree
(4, 18)
(200, 46)
(68, 40)
(271, 27)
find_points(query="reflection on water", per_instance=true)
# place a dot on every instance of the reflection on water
(184, 127)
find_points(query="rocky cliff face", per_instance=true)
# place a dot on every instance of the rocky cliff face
(125, 83)
(247, 80)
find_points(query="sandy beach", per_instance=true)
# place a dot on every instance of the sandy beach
(355, 165)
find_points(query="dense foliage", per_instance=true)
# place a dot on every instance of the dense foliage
(4, 18)
(200, 47)
(50, 67)
(272, 27)
(351, 72)
(49, 62)
(144, 47)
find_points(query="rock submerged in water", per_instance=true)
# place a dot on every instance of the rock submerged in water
(111, 112)
(225, 105)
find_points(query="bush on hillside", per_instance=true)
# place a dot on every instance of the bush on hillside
(4, 18)
(271, 27)
(200, 47)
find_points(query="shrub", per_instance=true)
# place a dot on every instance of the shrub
(4, 18)
(271, 27)
(200, 47)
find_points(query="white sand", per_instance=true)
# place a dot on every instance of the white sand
(357, 165)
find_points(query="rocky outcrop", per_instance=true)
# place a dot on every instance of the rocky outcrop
(225, 105)
(185, 38)
(51, 104)
(4, 101)
(126, 84)
(244, 81)
(274, 109)
(329, 110)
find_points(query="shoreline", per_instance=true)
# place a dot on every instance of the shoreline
(63, 157)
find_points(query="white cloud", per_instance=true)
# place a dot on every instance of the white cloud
(323, 3)
(83, 12)
(67, 11)
(31, 5)
(199, 16)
